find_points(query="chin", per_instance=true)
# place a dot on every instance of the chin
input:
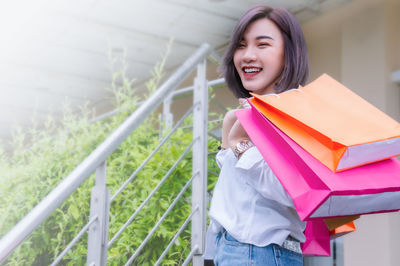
(250, 88)
(256, 91)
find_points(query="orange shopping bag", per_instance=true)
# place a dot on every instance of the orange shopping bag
(332, 123)
(342, 230)
(336, 222)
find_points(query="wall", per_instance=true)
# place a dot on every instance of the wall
(392, 56)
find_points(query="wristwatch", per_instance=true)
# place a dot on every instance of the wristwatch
(241, 147)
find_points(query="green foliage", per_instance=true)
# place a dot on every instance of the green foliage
(28, 175)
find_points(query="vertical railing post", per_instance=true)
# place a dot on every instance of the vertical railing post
(168, 117)
(98, 231)
(199, 185)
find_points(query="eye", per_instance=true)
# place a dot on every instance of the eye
(241, 45)
(263, 44)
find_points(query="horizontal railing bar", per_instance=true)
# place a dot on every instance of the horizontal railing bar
(190, 256)
(57, 196)
(183, 226)
(127, 223)
(150, 234)
(104, 116)
(215, 120)
(216, 56)
(191, 126)
(211, 83)
(133, 175)
(73, 242)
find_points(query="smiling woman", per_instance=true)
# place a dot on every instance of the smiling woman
(253, 220)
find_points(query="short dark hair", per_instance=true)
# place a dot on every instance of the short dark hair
(295, 71)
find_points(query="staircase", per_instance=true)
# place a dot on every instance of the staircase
(99, 240)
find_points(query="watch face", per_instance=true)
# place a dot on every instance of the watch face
(241, 147)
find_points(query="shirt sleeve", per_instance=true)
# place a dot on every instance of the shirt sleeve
(220, 157)
(259, 176)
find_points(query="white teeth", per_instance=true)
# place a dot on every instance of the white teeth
(252, 70)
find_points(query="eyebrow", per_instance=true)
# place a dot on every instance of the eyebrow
(259, 38)
(264, 37)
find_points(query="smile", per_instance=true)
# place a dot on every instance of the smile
(251, 71)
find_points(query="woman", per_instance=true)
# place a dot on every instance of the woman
(253, 220)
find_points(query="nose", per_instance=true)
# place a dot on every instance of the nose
(249, 54)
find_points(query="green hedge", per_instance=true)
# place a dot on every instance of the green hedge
(28, 175)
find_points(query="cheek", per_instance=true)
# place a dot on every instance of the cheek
(236, 61)
(277, 61)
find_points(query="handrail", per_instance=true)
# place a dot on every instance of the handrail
(55, 198)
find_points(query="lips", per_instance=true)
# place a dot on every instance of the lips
(251, 71)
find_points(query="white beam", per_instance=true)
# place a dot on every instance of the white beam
(396, 76)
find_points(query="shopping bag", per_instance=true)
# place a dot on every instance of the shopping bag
(316, 191)
(333, 223)
(317, 239)
(335, 125)
(342, 230)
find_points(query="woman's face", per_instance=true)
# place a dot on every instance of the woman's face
(259, 58)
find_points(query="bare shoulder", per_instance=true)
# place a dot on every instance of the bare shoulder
(230, 116)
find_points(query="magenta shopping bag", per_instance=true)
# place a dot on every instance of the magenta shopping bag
(317, 239)
(317, 192)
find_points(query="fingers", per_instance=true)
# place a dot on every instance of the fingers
(244, 103)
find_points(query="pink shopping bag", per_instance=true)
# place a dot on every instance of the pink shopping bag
(317, 192)
(317, 239)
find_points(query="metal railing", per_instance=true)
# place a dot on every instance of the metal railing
(97, 226)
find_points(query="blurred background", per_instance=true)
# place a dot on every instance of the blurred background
(54, 53)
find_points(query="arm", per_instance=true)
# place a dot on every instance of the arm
(237, 134)
(227, 124)
(232, 131)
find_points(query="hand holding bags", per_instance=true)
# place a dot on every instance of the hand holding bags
(316, 191)
(335, 125)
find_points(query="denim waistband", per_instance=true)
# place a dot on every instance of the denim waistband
(290, 243)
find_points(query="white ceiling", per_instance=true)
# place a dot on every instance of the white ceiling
(51, 50)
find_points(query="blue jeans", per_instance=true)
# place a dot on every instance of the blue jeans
(230, 252)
